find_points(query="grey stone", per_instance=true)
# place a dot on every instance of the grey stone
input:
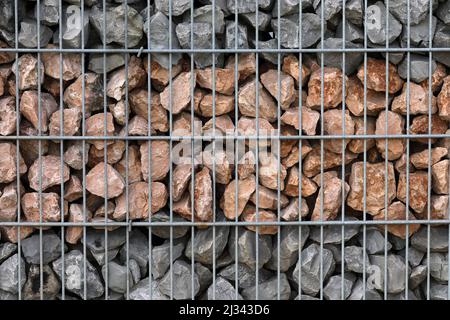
(95, 242)
(268, 290)
(204, 276)
(443, 12)
(354, 260)
(135, 270)
(5, 295)
(6, 250)
(333, 233)
(181, 278)
(305, 297)
(397, 243)
(352, 32)
(143, 291)
(50, 284)
(205, 14)
(7, 12)
(161, 257)
(442, 40)
(246, 6)
(310, 265)
(9, 274)
(438, 239)
(74, 275)
(402, 296)
(419, 34)
(117, 277)
(246, 246)
(8, 37)
(159, 39)
(222, 4)
(102, 258)
(336, 250)
(178, 6)
(438, 266)
(246, 276)
(222, 290)
(28, 35)
(290, 6)
(417, 276)
(88, 3)
(334, 59)
(202, 33)
(112, 295)
(438, 291)
(71, 32)
(333, 289)
(263, 20)
(230, 33)
(48, 12)
(358, 292)
(414, 256)
(396, 271)
(269, 44)
(164, 232)
(115, 25)
(330, 8)
(112, 60)
(51, 248)
(394, 57)
(418, 10)
(224, 260)
(354, 11)
(418, 68)
(376, 24)
(374, 241)
(288, 247)
(289, 33)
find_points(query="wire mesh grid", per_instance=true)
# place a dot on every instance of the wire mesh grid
(89, 268)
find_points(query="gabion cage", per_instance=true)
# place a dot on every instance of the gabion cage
(224, 149)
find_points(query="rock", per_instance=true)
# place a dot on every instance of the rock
(8, 116)
(291, 67)
(51, 248)
(438, 291)
(247, 102)
(333, 289)
(442, 12)
(418, 10)
(332, 88)
(134, 165)
(27, 68)
(143, 291)
(116, 276)
(247, 127)
(205, 13)
(223, 104)
(334, 60)
(418, 101)
(159, 151)
(246, 247)
(332, 200)
(310, 269)
(438, 239)
(310, 118)
(70, 27)
(359, 293)
(375, 186)
(6, 57)
(354, 101)
(286, 95)
(48, 203)
(333, 233)
(438, 266)
(396, 124)
(202, 39)
(354, 259)
(137, 250)
(263, 20)
(178, 7)
(180, 91)
(93, 93)
(96, 243)
(112, 61)
(419, 125)
(246, 165)
(122, 78)
(223, 290)
(268, 290)
(397, 211)
(95, 126)
(246, 64)
(357, 145)
(439, 172)
(440, 40)
(312, 162)
(376, 31)
(242, 36)
(71, 122)
(245, 188)
(95, 181)
(334, 122)
(419, 34)
(418, 190)
(50, 284)
(6, 250)
(437, 78)
(419, 68)
(287, 27)
(439, 208)
(12, 234)
(376, 76)
(268, 199)
(50, 168)
(115, 25)
(161, 257)
(8, 203)
(74, 275)
(73, 156)
(351, 31)
(30, 108)
(28, 36)
(180, 277)
(9, 274)
(203, 198)
(74, 234)
(443, 100)
(396, 271)
(224, 80)
(164, 232)
(294, 209)
(181, 176)
(246, 277)
(251, 215)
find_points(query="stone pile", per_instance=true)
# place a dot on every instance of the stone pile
(111, 179)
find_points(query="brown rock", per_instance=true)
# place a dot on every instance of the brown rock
(159, 75)
(76, 214)
(437, 78)
(160, 161)
(49, 203)
(395, 125)
(245, 188)
(139, 100)
(291, 67)
(203, 195)
(8, 202)
(397, 211)
(95, 126)
(53, 87)
(332, 200)
(224, 104)
(418, 190)
(309, 187)
(27, 65)
(246, 65)
(6, 57)
(73, 190)
(419, 101)
(357, 145)
(8, 116)
(70, 67)
(12, 234)
(285, 96)
(93, 93)
(376, 76)
(333, 124)
(439, 208)
(107, 211)
(332, 84)
(71, 125)
(250, 214)
(326, 176)
(182, 124)
(400, 165)
(292, 183)
(420, 159)
(29, 108)
(443, 100)
(419, 125)
(118, 111)
(286, 145)
(247, 127)
(137, 126)
(95, 181)
(8, 168)
(439, 173)
(134, 165)
(73, 156)
(354, 101)
(181, 176)
(136, 76)
(180, 92)
(268, 199)
(310, 118)
(375, 186)
(292, 211)
(311, 164)
(219, 163)
(270, 171)
(293, 157)
(183, 207)
(224, 125)
(267, 107)
(246, 165)
(224, 79)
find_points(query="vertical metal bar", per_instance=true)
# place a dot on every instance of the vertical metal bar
(322, 38)
(364, 215)
(278, 149)
(170, 153)
(192, 154)
(257, 165)
(214, 146)
(386, 153)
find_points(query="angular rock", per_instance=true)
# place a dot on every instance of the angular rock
(419, 68)
(160, 164)
(51, 248)
(395, 125)
(161, 257)
(93, 93)
(376, 76)
(122, 79)
(286, 95)
(46, 172)
(332, 88)
(27, 67)
(245, 188)
(267, 107)
(181, 279)
(50, 284)
(95, 183)
(397, 211)
(376, 28)
(251, 215)
(354, 101)
(48, 203)
(396, 271)
(439, 172)
(288, 29)
(9, 274)
(180, 91)
(117, 277)
(418, 190)
(418, 101)
(332, 200)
